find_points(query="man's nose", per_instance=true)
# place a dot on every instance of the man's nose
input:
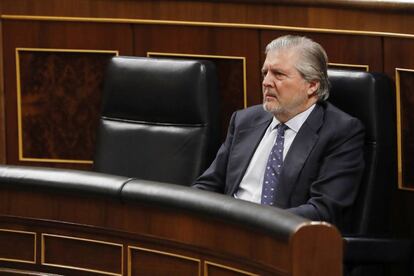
(266, 82)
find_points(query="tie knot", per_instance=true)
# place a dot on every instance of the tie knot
(281, 128)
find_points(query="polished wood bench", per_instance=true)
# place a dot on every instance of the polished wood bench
(82, 223)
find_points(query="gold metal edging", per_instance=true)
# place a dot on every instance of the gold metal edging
(116, 52)
(34, 246)
(207, 263)
(243, 59)
(399, 126)
(356, 66)
(43, 262)
(2, 104)
(203, 24)
(19, 111)
(130, 248)
(19, 117)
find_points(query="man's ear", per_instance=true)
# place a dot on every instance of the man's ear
(313, 87)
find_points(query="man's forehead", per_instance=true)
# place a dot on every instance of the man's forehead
(288, 52)
(285, 54)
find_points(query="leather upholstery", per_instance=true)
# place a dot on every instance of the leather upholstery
(62, 180)
(159, 119)
(369, 246)
(278, 222)
(370, 97)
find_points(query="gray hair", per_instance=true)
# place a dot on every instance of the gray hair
(313, 63)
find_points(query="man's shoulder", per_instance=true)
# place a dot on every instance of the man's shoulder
(252, 115)
(256, 110)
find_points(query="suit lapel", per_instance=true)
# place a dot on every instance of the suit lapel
(297, 155)
(244, 146)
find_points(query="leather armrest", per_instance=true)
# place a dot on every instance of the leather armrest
(363, 250)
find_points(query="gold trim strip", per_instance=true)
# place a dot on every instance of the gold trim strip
(19, 111)
(130, 248)
(2, 103)
(49, 160)
(399, 126)
(203, 24)
(34, 246)
(43, 262)
(211, 56)
(363, 66)
(116, 52)
(207, 263)
(25, 272)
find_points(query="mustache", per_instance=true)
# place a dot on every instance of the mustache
(268, 93)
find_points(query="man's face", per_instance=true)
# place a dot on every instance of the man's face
(285, 92)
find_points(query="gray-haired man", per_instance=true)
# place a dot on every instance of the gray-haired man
(296, 151)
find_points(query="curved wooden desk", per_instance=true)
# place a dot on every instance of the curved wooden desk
(81, 223)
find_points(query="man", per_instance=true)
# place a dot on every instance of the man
(297, 152)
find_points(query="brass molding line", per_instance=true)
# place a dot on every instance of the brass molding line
(399, 126)
(203, 24)
(239, 271)
(43, 262)
(165, 253)
(34, 246)
(355, 66)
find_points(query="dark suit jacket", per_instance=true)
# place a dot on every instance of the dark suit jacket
(321, 172)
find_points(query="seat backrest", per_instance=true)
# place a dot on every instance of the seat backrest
(159, 119)
(370, 97)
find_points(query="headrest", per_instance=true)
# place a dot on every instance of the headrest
(180, 90)
(368, 97)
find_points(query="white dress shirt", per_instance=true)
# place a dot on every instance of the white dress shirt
(250, 187)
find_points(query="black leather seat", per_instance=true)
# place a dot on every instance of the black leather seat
(159, 119)
(370, 97)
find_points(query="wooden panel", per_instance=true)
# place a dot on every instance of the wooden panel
(17, 246)
(405, 127)
(82, 254)
(398, 53)
(351, 50)
(61, 119)
(305, 14)
(214, 269)
(144, 261)
(216, 238)
(305, 259)
(399, 62)
(59, 94)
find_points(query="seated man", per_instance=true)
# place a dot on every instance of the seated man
(297, 151)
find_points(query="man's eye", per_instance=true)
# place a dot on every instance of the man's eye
(280, 76)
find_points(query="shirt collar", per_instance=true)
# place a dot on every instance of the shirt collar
(296, 122)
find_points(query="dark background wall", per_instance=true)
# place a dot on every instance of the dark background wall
(54, 52)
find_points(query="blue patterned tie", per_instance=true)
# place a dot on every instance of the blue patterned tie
(273, 167)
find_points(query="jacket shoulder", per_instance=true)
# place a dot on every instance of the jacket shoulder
(251, 116)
